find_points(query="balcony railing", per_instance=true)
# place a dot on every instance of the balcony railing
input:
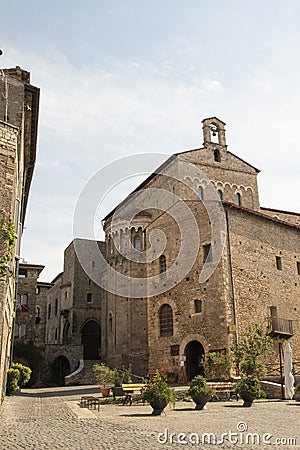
(280, 327)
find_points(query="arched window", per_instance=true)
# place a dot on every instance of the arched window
(162, 264)
(137, 242)
(110, 322)
(238, 199)
(165, 320)
(217, 156)
(201, 192)
(220, 194)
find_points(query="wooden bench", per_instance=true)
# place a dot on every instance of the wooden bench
(224, 389)
(131, 391)
(90, 402)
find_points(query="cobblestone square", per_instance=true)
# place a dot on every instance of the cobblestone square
(53, 419)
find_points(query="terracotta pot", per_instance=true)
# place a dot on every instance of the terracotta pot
(158, 405)
(105, 391)
(201, 401)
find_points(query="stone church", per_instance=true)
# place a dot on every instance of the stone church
(248, 272)
(190, 260)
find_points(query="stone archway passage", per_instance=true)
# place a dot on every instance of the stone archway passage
(60, 369)
(194, 353)
(91, 340)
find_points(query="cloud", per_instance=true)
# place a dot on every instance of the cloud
(108, 109)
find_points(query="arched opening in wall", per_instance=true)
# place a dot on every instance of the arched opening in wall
(67, 333)
(137, 243)
(165, 315)
(194, 353)
(59, 370)
(217, 156)
(201, 192)
(238, 199)
(91, 340)
(220, 194)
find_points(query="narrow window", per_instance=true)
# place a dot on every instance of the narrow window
(110, 322)
(137, 243)
(198, 306)
(24, 299)
(207, 256)
(201, 192)
(278, 263)
(238, 199)
(89, 297)
(162, 264)
(217, 156)
(16, 330)
(298, 267)
(220, 194)
(56, 307)
(49, 311)
(56, 333)
(37, 314)
(22, 330)
(165, 320)
(22, 273)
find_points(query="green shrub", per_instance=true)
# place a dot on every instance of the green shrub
(25, 373)
(157, 387)
(199, 386)
(13, 376)
(251, 385)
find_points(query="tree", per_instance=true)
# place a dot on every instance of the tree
(250, 353)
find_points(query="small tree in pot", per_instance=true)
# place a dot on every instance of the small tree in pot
(158, 393)
(104, 376)
(200, 391)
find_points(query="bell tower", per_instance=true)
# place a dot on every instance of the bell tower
(213, 132)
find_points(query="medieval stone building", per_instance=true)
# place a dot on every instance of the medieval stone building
(73, 323)
(19, 105)
(249, 269)
(199, 259)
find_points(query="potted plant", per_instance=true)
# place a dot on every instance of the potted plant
(104, 376)
(200, 391)
(158, 393)
(249, 389)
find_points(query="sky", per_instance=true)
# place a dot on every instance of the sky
(125, 77)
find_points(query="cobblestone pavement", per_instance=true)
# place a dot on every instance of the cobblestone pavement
(52, 419)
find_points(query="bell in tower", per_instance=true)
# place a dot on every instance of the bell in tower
(213, 132)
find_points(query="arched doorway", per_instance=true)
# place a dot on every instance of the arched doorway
(194, 353)
(60, 369)
(91, 340)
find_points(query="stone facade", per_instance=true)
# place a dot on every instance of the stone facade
(255, 278)
(30, 321)
(73, 325)
(19, 103)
